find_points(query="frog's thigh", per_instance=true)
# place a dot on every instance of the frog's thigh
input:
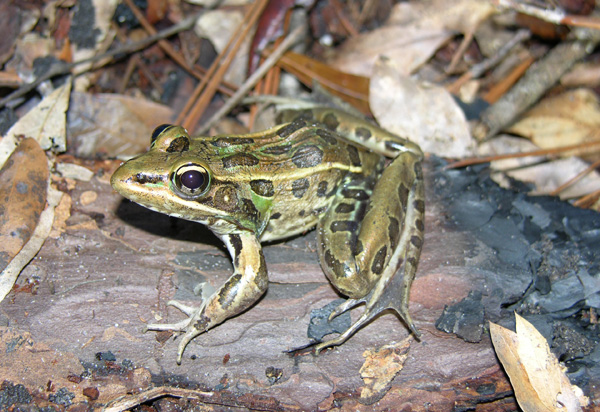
(358, 245)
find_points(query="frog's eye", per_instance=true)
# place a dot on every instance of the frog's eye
(158, 131)
(191, 180)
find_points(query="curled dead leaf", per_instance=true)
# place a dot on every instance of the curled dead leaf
(535, 374)
(23, 182)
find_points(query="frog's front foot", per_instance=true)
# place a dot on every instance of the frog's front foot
(194, 325)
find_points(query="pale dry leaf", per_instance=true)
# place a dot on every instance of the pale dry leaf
(569, 118)
(218, 26)
(545, 176)
(408, 47)
(114, 124)
(46, 123)
(424, 114)
(414, 32)
(74, 171)
(11, 272)
(535, 374)
(380, 367)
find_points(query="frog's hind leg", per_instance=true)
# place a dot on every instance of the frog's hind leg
(388, 247)
(244, 287)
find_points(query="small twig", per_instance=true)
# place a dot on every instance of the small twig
(270, 61)
(462, 48)
(536, 81)
(550, 15)
(587, 200)
(555, 16)
(205, 91)
(542, 152)
(60, 69)
(479, 69)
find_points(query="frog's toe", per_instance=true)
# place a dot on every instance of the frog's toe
(187, 309)
(178, 327)
(343, 307)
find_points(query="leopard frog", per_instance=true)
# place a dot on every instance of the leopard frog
(320, 167)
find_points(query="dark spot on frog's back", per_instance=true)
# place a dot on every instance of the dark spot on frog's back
(239, 159)
(331, 121)
(327, 136)
(322, 189)
(231, 141)
(297, 124)
(179, 145)
(343, 226)
(262, 187)
(362, 133)
(354, 157)
(344, 208)
(299, 187)
(277, 150)
(307, 156)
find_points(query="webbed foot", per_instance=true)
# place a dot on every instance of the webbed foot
(386, 295)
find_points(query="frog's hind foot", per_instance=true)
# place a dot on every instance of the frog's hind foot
(191, 327)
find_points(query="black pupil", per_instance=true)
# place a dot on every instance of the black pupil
(192, 179)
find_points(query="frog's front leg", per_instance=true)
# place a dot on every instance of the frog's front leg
(385, 243)
(243, 288)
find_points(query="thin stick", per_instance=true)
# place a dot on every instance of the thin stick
(288, 42)
(222, 65)
(587, 200)
(486, 159)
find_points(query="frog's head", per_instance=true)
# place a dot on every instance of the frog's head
(175, 177)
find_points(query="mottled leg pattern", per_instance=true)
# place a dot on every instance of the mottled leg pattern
(245, 286)
(387, 248)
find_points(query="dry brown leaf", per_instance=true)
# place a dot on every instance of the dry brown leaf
(351, 88)
(23, 182)
(536, 376)
(567, 119)
(380, 368)
(115, 124)
(427, 115)
(46, 123)
(413, 34)
(42, 230)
